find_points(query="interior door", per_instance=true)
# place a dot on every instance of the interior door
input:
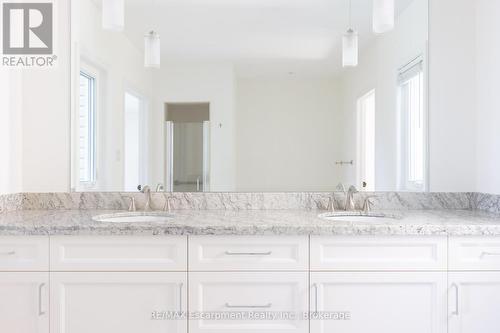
(24, 302)
(121, 302)
(388, 302)
(474, 301)
(188, 157)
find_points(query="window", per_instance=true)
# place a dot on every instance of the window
(366, 142)
(413, 126)
(87, 130)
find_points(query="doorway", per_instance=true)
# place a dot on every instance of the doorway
(366, 142)
(187, 146)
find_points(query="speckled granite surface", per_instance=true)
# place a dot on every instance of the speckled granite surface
(252, 222)
(251, 214)
(10, 202)
(486, 202)
(244, 201)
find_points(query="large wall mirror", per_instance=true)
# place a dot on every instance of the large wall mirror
(249, 95)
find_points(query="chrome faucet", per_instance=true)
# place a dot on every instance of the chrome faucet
(160, 187)
(341, 187)
(167, 207)
(147, 191)
(349, 199)
(368, 204)
(131, 207)
(331, 203)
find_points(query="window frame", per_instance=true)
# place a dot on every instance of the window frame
(93, 74)
(411, 70)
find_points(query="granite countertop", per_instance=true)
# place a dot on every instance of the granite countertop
(252, 222)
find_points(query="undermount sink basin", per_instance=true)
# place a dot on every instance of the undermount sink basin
(356, 217)
(134, 217)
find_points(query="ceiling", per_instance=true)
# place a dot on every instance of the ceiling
(257, 36)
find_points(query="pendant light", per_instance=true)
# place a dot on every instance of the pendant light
(113, 15)
(350, 45)
(383, 16)
(152, 50)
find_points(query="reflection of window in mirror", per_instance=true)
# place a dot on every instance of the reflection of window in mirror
(87, 115)
(413, 126)
(366, 142)
(135, 141)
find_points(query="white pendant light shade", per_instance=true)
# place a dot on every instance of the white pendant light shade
(350, 49)
(152, 50)
(113, 15)
(383, 16)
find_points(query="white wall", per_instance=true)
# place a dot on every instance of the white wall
(377, 69)
(10, 131)
(287, 134)
(121, 68)
(452, 96)
(46, 117)
(46, 134)
(212, 83)
(487, 90)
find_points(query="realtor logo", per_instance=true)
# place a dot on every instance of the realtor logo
(27, 28)
(28, 34)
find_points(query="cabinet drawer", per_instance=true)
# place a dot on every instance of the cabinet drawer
(474, 253)
(378, 253)
(24, 253)
(118, 253)
(209, 253)
(243, 293)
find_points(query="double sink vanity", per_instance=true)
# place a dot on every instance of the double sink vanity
(97, 269)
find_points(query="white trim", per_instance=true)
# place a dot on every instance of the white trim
(360, 134)
(411, 67)
(95, 74)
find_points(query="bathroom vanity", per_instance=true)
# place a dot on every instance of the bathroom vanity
(426, 271)
(237, 125)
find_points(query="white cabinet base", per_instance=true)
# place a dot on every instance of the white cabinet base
(474, 302)
(247, 293)
(121, 302)
(413, 302)
(24, 302)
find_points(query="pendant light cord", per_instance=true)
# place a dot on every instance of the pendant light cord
(350, 14)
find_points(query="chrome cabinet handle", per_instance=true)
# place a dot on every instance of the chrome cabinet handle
(268, 305)
(315, 286)
(8, 253)
(484, 254)
(180, 296)
(40, 298)
(456, 310)
(230, 253)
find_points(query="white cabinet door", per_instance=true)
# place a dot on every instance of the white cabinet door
(117, 302)
(410, 302)
(248, 302)
(24, 302)
(474, 302)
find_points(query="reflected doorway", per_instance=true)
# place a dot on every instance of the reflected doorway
(366, 142)
(187, 146)
(135, 141)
